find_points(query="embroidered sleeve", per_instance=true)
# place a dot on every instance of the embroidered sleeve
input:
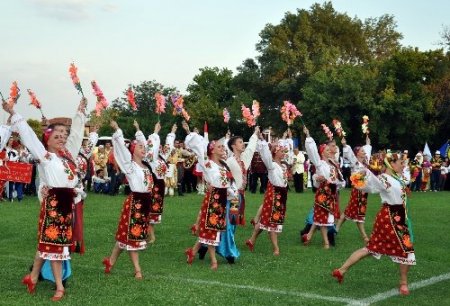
(121, 152)
(92, 142)
(29, 138)
(247, 155)
(311, 149)
(348, 154)
(376, 184)
(75, 138)
(152, 147)
(5, 133)
(266, 156)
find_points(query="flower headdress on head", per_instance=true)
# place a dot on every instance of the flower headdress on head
(132, 146)
(46, 136)
(210, 147)
(276, 147)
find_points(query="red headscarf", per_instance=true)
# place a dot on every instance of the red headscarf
(46, 136)
(322, 148)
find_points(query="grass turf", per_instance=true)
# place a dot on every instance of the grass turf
(257, 278)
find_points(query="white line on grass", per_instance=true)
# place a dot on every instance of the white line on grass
(413, 286)
(262, 289)
(350, 302)
(245, 287)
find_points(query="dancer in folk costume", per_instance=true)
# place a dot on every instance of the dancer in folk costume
(58, 175)
(356, 207)
(170, 180)
(156, 157)
(211, 219)
(273, 209)
(132, 231)
(238, 162)
(82, 162)
(5, 134)
(327, 179)
(392, 231)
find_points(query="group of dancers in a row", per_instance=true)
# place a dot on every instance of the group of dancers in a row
(223, 208)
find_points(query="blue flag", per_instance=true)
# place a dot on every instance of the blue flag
(444, 150)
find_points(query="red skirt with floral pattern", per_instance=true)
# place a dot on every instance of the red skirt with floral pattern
(134, 219)
(55, 220)
(326, 202)
(356, 207)
(390, 235)
(274, 208)
(157, 207)
(213, 216)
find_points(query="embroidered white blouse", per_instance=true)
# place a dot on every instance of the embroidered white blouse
(53, 170)
(322, 167)
(246, 158)
(215, 175)
(82, 163)
(5, 134)
(153, 151)
(277, 173)
(390, 189)
(139, 179)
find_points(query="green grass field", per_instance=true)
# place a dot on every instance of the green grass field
(299, 276)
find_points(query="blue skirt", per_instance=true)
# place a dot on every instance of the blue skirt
(47, 274)
(227, 246)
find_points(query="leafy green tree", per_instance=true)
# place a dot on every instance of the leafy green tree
(382, 37)
(145, 114)
(404, 111)
(211, 91)
(343, 93)
(306, 42)
(36, 126)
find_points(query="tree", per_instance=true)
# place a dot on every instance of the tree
(307, 42)
(36, 126)
(344, 93)
(214, 84)
(382, 37)
(145, 114)
(211, 91)
(445, 35)
(404, 106)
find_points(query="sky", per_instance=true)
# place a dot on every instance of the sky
(122, 42)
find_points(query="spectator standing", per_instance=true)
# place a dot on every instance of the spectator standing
(258, 171)
(436, 164)
(101, 158)
(13, 156)
(298, 169)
